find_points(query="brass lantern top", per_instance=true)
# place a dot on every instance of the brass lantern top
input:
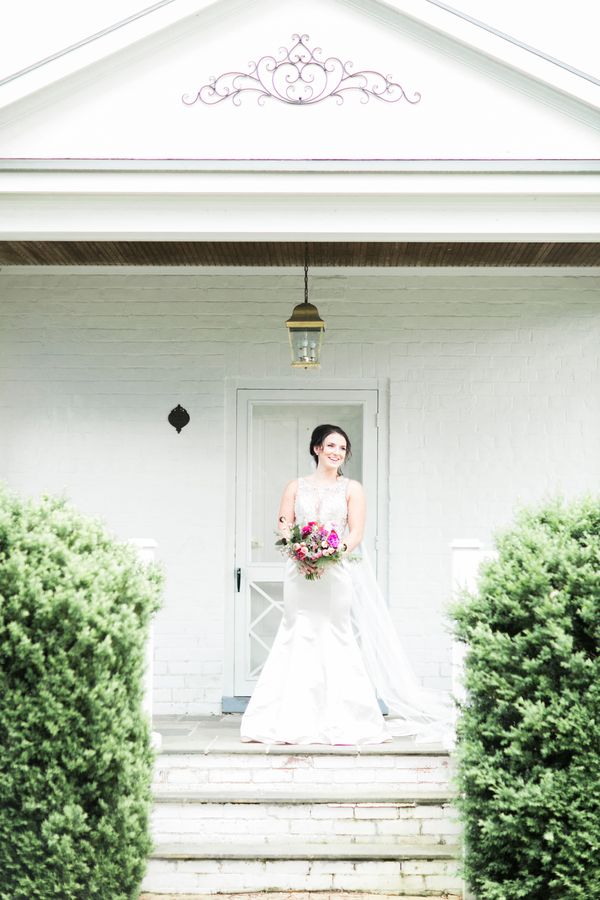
(305, 315)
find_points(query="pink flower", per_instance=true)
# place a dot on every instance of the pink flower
(306, 530)
(334, 540)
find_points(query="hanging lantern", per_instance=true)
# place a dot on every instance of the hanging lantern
(305, 330)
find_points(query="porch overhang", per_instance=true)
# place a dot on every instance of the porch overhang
(328, 254)
(274, 202)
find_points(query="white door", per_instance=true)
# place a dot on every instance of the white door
(273, 435)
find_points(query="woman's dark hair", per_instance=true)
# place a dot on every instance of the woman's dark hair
(320, 435)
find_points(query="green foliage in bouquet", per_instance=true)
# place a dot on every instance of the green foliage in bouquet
(529, 733)
(75, 754)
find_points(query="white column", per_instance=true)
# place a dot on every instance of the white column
(467, 556)
(146, 549)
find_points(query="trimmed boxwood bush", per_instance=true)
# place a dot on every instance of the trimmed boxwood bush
(75, 754)
(529, 733)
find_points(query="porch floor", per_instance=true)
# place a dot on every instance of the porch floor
(221, 734)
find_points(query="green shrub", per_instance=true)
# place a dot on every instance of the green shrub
(75, 755)
(529, 733)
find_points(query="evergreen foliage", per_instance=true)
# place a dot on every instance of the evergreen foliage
(529, 732)
(75, 754)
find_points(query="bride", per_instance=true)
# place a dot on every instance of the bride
(318, 686)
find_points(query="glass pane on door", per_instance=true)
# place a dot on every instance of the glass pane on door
(266, 609)
(280, 435)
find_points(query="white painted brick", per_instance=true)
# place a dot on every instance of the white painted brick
(354, 826)
(371, 882)
(375, 812)
(435, 826)
(290, 867)
(428, 867)
(494, 367)
(304, 777)
(353, 776)
(275, 776)
(172, 682)
(334, 762)
(327, 866)
(378, 867)
(225, 761)
(162, 694)
(233, 776)
(433, 812)
(331, 811)
(442, 882)
(310, 827)
(398, 827)
(202, 866)
(156, 881)
(186, 776)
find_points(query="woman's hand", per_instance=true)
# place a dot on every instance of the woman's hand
(286, 509)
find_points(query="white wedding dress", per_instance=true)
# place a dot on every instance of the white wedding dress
(317, 685)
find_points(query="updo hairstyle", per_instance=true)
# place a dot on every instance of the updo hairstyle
(320, 435)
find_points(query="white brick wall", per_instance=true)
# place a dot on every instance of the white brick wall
(494, 401)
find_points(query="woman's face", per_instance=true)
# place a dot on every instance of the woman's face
(333, 452)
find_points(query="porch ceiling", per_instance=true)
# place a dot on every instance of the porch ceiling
(271, 253)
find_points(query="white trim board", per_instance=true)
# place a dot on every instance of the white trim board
(298, 216)
(305, 166)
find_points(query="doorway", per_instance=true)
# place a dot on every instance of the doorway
(273, 429)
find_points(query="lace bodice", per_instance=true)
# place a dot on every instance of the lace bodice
(322, 503)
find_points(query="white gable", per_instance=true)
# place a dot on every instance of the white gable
(129, 105)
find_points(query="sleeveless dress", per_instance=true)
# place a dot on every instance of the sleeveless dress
(314, 687)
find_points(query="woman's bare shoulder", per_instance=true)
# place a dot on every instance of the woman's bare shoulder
(355, 488)
(291, 487)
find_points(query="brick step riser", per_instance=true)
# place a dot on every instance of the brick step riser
(286, 773)
(426, 825)
(298, 895)
(423, 878)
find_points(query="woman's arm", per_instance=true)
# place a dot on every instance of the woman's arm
(357, 511)
(286, 516)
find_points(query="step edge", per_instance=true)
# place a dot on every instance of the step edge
(299, 750)
(280, 799)
(308, 851)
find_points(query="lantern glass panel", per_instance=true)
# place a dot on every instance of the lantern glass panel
(306, 346)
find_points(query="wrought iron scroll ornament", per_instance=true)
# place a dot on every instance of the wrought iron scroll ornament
(300, 77)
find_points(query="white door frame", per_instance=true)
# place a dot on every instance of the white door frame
(296, 384)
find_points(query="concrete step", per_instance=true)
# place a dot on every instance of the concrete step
(295, 895)
(232, 817)
(404, 870)
(287, 772)
(271, 822)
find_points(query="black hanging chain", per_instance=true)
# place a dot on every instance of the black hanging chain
(306, 273)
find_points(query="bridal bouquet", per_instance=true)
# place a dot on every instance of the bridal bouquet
(312, 547)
